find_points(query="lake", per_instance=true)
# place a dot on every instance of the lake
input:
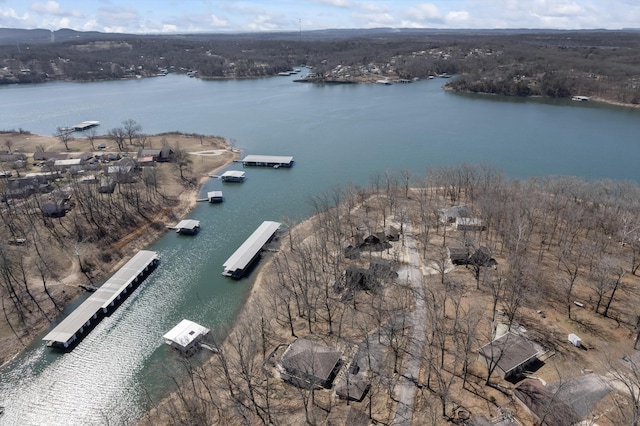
(338, 135)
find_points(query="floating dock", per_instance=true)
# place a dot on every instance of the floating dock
(187, 227)
(85, 125)
(274, 161)
(185, 335)
(248, 252)
(215, 196)
(103, 301)
(233, 176)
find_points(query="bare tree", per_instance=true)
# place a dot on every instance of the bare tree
(118, 135)
(91, 134)
(64, 136)
(181, 161)
(131, 129)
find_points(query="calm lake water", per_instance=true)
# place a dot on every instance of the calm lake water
(338, 135)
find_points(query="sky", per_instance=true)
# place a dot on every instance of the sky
(232, 16)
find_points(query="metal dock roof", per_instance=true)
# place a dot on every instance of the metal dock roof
(214, 194)
(267, 159)
(243, 256)
(185, 333)
(187, 224)
(85, 125)
(107, 293)
(233, 174)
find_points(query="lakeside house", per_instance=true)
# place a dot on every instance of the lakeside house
(309, 365)
(509, 354)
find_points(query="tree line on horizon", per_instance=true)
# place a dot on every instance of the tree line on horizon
(552, 64)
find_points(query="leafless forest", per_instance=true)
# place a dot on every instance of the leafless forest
(342, 279)
(602, 64)
(67, 227)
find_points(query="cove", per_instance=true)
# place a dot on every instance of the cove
(338, 135)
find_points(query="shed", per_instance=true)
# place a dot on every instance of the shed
(185, 335)
(107, 185)
(510, 354)
(575, 340)
(162, 155)
(352, 387)
(309, 365)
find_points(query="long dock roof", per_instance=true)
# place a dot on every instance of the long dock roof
(268, 159)
(109, 291)
(250, 248)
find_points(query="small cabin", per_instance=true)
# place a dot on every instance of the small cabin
(185, 336)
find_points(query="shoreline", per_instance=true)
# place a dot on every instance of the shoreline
(186, 203)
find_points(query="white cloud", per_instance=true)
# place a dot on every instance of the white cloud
(458, 19)
(263, 23)
(424, 12)
(125, 17)
(169, 28)
(336, 3)
(53, 8)
(218, 22)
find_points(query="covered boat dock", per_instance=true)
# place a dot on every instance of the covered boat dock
(103, 301)
(185, 335)
(268, 161)
(215, 196)
(248, 252)
(85, 125)
(233, 176)
(187, 226)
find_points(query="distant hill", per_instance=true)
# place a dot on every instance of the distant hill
(10, 36)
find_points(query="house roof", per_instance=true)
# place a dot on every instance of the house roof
(544, 404)
(510, 351)
(352, 386)
(456, 211)
(312, 359)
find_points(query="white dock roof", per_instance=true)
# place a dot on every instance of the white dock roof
(110, 290)
(187, 224)
(233, 173)
(214, 194)
(185, 333)
(270, 159)
(250, 248)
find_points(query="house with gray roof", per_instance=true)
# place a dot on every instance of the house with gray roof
(510, 354)
(308, 364)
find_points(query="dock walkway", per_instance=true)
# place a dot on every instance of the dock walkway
(103, 301)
